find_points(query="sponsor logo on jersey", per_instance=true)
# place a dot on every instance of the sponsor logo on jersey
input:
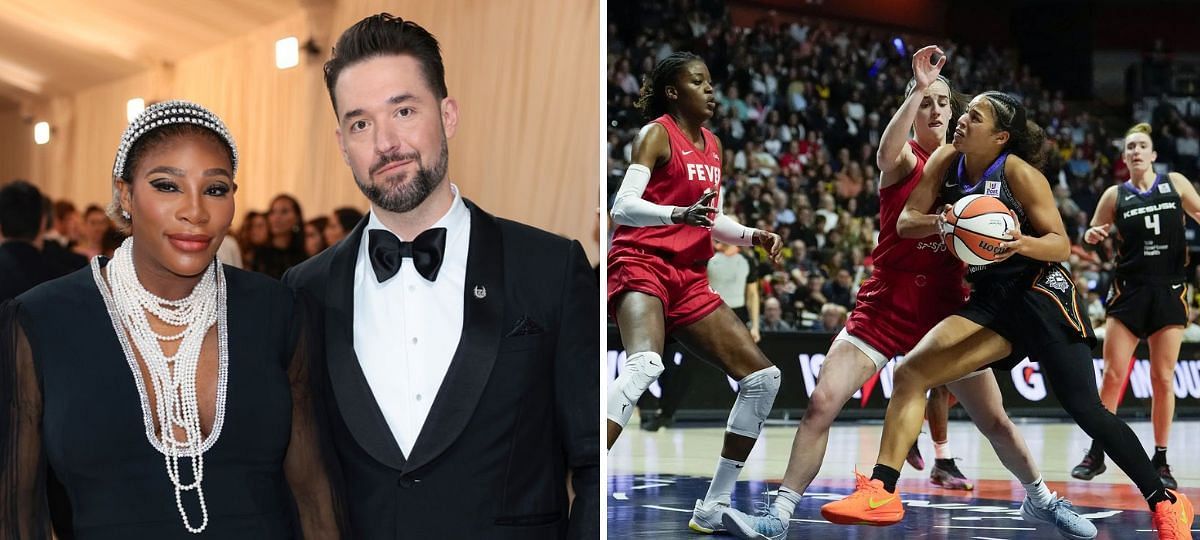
(1164, 188)
(935, 246)
(1169, 205)
(703, 173)
(992, 188)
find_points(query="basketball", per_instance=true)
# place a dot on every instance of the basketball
(976, 227)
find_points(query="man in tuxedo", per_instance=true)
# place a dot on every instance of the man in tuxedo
(461, 349)
(22, 265)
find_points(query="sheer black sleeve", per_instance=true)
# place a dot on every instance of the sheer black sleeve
(310, 465)
(24, 512)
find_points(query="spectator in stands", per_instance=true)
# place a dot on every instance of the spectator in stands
(833, 318)
(772, 320)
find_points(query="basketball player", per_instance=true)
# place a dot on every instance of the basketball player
(1026, 301)
(657, 280)
(1147, 299)
(916, 283)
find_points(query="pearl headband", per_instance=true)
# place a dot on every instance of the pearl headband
(167, 113)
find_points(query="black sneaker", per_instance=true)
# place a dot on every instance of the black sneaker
(1164, 472)
(650, 420)
(1089, 468)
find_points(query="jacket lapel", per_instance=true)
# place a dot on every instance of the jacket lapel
(483, 311)
(359, 410)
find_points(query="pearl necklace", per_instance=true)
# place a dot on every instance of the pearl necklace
(173, 377)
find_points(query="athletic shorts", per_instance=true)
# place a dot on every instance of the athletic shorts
(1146, 307)
(1031, 310)
(684, 290)
(895, 309)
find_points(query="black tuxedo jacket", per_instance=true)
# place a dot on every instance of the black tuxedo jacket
(519, 406)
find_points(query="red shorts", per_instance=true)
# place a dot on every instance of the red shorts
(896, 309)
(683, 290)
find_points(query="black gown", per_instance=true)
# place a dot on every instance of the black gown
(74, 449)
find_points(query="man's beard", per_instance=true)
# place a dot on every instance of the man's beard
(393, 193)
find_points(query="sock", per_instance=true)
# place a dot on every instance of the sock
(723, 480)
(942, 450)
(1097, 450)
(887, 475)
(1158, 496)
(785, 503)
(1160, 456)
(1038, 493)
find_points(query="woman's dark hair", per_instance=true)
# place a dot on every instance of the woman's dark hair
(148, 143)
(21, 210)
(347, 217)
(297, 231)
(383, 34)
(243, 235)
(958, 102)
(1025, 138)
(652, 99)
(319, 223)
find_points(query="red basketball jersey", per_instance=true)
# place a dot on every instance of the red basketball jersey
(679, 182)
(921, 255)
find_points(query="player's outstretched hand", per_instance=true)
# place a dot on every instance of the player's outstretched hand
(1097, 234)
(699, 214)
(770, 242)
(925, 71)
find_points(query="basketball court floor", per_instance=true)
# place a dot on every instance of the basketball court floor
(655, 479)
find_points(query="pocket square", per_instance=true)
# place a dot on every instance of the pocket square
(525, 327)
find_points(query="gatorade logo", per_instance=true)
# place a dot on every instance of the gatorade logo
(1027, 379)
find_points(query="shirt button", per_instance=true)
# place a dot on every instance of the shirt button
(418, 397)
(414, 341)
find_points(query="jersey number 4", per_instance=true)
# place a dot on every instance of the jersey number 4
(1152, 223)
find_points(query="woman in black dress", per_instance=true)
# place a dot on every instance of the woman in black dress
(159, 394)
(286, 247)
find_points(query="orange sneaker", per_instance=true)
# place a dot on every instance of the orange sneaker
(1174, 521)
(870, 504)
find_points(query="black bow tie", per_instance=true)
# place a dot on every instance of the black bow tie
(387, 252)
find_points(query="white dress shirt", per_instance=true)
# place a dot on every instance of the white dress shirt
(407, 329)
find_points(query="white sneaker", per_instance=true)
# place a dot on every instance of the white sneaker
(706, 517)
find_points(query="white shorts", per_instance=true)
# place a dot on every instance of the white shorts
(877, 357)
(866, 349)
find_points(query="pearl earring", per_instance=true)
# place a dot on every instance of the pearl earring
(125, 215)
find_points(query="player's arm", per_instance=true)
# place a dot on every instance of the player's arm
(729, 231)
(1103, 218)
(651, 149)
(915, 220)
(1032, 190)
(1187, 193)
(895, 158)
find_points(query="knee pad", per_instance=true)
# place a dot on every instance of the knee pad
(756, 394)
(640, 370)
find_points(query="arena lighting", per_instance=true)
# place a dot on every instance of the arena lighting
(134, 107)
(899, 44)
(287, 53)
(41, 132)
